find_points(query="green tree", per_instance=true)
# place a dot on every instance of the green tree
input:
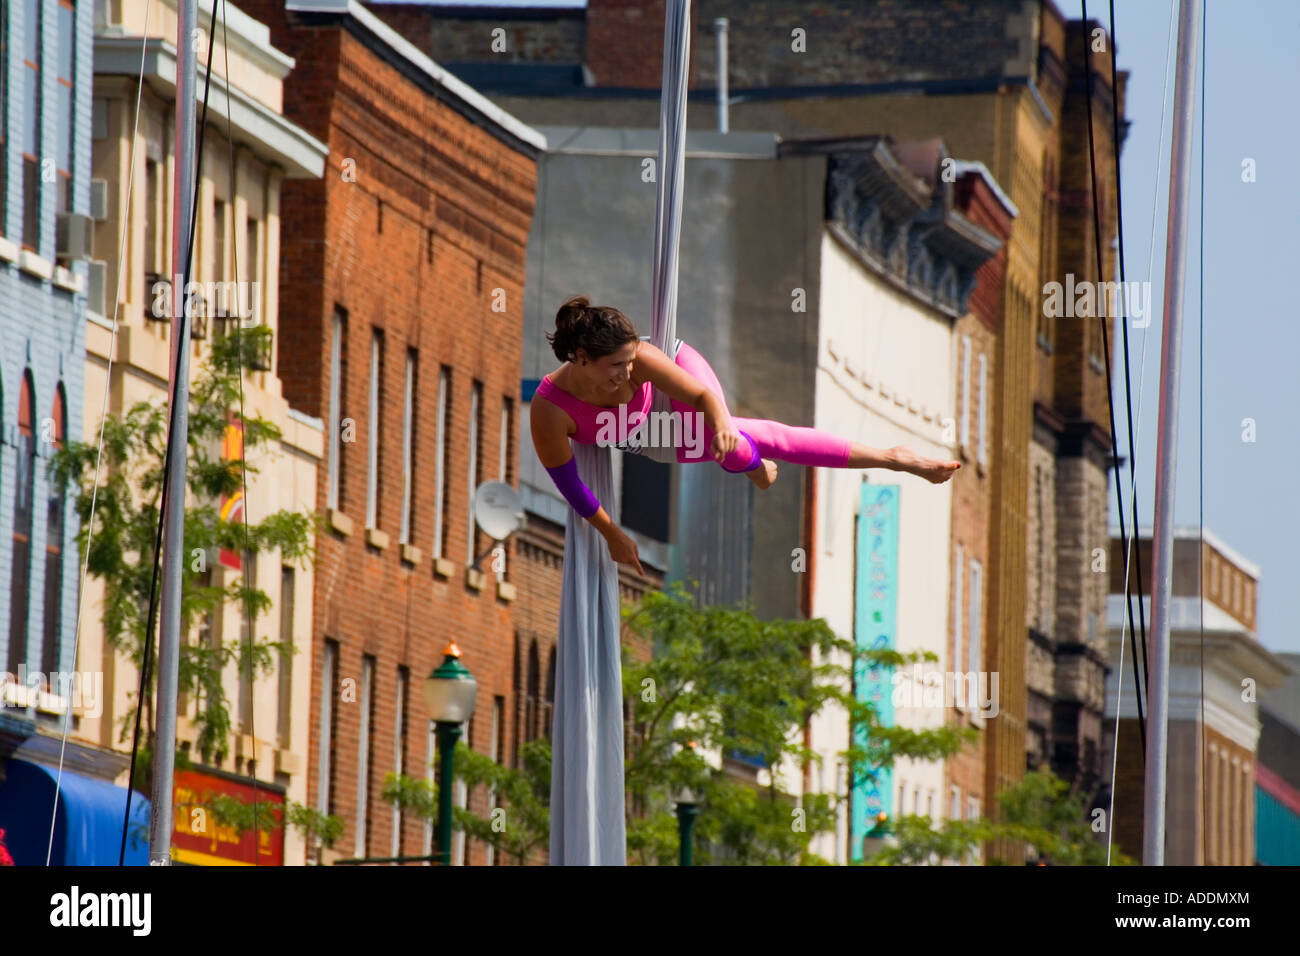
(1040, 811)
(127, 501)
(722, 680)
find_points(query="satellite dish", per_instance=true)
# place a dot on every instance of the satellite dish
(498, 510)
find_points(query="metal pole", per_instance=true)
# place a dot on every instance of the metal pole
(448, 734)
(1153, 821)
(720, 29)
(160, 825)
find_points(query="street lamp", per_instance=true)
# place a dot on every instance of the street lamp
(874, 840)
(449, 693)
(688, 808)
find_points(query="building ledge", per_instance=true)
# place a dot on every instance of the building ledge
(506, 591)
(67, 279)
(376, 538)
(475, 579)
(8, 250)
(33, 264)
(340, 522)
(443, 568)
(412, 555)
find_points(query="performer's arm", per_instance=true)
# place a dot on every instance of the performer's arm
(654, 365)
(550, 438)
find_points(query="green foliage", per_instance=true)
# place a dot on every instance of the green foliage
(1039, 811)
(129, 464)
(721, 680)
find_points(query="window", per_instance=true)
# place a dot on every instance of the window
(408, 446)
(253, 269)
(362, 843)
(497, 748)
(24, 475)
(373, 426)
(954, 803)
(531, 702)
(32, 110)
(337, 336)
(153, 173)
(284, 695)
(55, 507)
(981, 455)
(976, 596)
(964, 435)
(440, 463)
(66, 113)
(549, 711)
(929, 804)
(399, 750)
(503, 464)
(475, 433)
(329, 728)
(902, 798)
(247, 624)
(958, 609)
(219, 243)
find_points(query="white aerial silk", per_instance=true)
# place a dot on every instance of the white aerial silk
(587, 822)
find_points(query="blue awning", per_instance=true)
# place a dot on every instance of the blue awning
(88, 830)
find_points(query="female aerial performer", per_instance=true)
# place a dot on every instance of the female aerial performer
(606, 365)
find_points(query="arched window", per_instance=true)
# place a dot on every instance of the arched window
(516, 697)
(24, 473)
(547, 714)
(531, 703)
(54, 544)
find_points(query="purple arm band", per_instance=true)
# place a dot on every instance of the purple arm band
(574, 491)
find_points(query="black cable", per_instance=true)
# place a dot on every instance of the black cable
(182, 337)
(1105, 338)
(243, 471)
(1128, 387)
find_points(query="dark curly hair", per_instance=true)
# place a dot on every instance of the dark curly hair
(600, 329)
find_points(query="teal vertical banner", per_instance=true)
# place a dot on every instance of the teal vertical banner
(875, 619)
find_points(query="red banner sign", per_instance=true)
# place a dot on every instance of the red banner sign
(196, 836)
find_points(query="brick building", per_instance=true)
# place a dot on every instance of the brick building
(1218, 672)
(1003, 83)
(402, 281)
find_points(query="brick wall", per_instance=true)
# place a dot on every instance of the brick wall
(419, 225)
(449, 35)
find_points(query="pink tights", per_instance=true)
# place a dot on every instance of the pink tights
(792, 443)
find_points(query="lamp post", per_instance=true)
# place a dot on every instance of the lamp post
(449, 693)
(688, 808)
(874, 839)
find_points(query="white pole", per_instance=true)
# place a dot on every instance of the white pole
(1153, 826)
(160, 825)
(720, 30)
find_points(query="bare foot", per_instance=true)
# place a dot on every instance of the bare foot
(932, 470)
(764, 474)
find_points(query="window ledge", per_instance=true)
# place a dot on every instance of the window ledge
(8, 250)
(287, 762)
(340, 522)
(443, 568)
(33, 264)
(412, 555)
(376, 538)
(505, 591)
(475, 579)
(67, 279)
(103, 321)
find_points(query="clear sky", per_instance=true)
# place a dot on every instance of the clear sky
(1251, 344)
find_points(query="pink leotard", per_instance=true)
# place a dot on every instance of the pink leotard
(766, 438)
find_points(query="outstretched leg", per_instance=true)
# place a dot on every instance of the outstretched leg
(775, 441)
